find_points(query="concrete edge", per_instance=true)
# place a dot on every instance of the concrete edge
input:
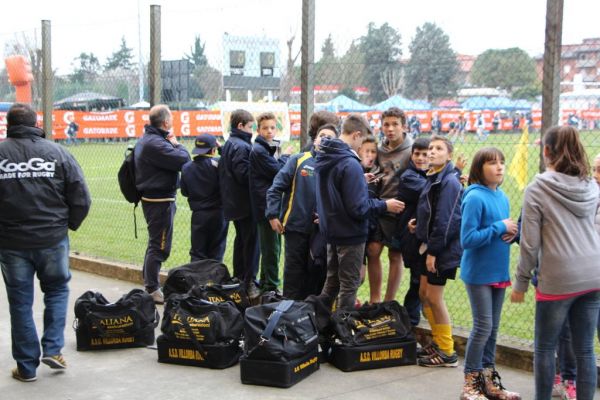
(513, 355)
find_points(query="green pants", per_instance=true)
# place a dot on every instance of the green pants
(270, 250)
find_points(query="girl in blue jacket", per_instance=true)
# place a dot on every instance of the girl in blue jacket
(486, 233)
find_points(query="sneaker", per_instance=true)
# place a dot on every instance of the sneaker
(473, 387)
(493, 389)
(55, 362)
(557, 387)
(569, 391)
(427, 350)
(439, 359)
(252, 290)
(17, 375)
(158, 296)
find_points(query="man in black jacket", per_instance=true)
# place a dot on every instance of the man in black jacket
(158, 159)
(42, 195)
(234, 169)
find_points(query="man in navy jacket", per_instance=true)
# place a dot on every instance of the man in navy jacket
(158, 159)
(343, 206)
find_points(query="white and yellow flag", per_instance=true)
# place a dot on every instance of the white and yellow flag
(518, 167)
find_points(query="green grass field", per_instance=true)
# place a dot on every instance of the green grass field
(108, 232)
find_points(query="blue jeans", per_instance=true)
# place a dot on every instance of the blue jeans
(550, 316)
(567, 363)
(52, 268)
(486, 308)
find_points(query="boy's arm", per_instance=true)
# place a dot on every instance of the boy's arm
(471, 235)
(355, 194)
(410, 188)
(281, 184)
(447, 207)
(240, 164)
(264, 164)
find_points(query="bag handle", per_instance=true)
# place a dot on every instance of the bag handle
(274, 319)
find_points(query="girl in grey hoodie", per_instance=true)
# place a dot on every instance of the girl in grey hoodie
(558, 237)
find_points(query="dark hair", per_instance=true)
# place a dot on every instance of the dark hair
(448, 143)
(158, 115)
(479, 159)
(21, 114)
(356, 123)
(370, 139)
(565, 151)
(240, 117)
(320, 118)
(420, 144)
(266, 116)
(331, 127)
(394, 112)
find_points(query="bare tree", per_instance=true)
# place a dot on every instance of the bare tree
(391, 80)
(287, 80)
(27, 45)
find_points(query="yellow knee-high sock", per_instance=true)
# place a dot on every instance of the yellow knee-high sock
(428, 313)
(443, 338)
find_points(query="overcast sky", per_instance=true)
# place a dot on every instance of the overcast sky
(473, 26)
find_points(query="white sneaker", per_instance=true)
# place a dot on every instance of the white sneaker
(158, 296)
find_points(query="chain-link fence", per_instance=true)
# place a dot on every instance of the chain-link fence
(492, 98)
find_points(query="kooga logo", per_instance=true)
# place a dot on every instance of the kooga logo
(34, 164)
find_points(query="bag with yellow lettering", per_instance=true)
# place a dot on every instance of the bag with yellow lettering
(231, 290)
(373, 336)
(200, 333)
(128, 322)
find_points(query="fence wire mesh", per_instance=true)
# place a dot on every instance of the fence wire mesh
(487, 99)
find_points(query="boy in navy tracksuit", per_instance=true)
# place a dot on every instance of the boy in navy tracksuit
(200, 184)
(291, 206)
(343, 206)
(234, 167)
(263, 168)
(412, 182)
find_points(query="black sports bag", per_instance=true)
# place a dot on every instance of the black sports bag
(128, 322)
(373, 323)
(280, 331)
(183, 278)
(232, 290)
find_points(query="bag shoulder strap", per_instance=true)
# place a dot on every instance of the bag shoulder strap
(274, 319)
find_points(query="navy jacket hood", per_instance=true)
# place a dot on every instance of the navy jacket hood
(343, 202)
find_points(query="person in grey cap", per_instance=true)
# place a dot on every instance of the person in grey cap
(200, 184)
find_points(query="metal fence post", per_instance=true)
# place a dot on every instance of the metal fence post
(307, 72)
(47, 90)
(154, 81)
(551, 78)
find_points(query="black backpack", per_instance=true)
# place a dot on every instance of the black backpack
(202, 272)
(126, 177)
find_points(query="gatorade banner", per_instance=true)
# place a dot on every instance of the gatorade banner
(130, 123)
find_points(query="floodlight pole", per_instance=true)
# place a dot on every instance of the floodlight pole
(47, 81)
(551, 78)
(154, 81)
(307, 69)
